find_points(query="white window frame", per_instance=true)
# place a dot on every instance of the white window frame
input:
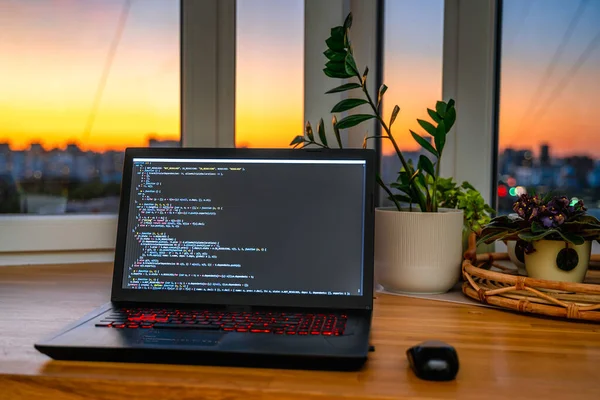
(208, 107)
(207, 103)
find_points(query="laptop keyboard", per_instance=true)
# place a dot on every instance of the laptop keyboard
(210, 320)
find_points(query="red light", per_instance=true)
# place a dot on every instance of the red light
(511, 181)
(502, 191)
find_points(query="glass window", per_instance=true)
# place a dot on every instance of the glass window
(549, 91)
(412, 70)
(80, 81)
(269, 72)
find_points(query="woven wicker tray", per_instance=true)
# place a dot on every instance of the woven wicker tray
(492, 279)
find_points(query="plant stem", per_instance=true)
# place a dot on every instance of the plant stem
(308, 143)
(434, 206)
(388, 191)
(405, 165)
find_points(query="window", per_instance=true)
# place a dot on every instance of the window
(412, 69)
(549, 89)
(269, 72)
(208, 36)
(80, 82)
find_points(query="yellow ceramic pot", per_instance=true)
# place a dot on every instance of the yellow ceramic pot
(558, 261)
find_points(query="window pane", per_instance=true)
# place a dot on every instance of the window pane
(549, 92)
(412, 70)
(80, 81)
(269, 72)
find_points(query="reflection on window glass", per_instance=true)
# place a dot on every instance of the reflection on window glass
(412, 69)
(269, 72)
(549, 95)
(79, 82)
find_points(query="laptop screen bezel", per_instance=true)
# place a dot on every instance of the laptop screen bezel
(364, 302)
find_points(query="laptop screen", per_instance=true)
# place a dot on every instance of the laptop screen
(247, 226)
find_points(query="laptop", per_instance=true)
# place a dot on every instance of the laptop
(248, 257)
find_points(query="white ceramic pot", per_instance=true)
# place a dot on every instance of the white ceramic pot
(417, 252)
(544, 262)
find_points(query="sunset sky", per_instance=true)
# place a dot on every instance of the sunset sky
(54, 53)
(550, 87)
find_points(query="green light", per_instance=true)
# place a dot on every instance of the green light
(574, 201)
(513, 191)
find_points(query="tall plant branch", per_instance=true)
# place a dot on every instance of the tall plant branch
(416, 193)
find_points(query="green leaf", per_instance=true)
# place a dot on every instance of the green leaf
(536, 227)
(421, 178)
(450, 118)
(403, 177)
(353, 120)
(347, 104)
(336, 130)
(335, 66)
(451, 103)
(344, 87)
(434, 115)
(429, 128)
(467, 185)
(426, 165)
(297, 140)
(350, 65)
(336, 74)
(321, 132)
(395, 112)
(440, 137)
(382, 90)
(309, 132)
(441, 107)
(530, 236)
(348, 21)
(335, 44)
(492, 237)
(337, 56)
(424, 144)
(337, 33)
(571, 238)
(400, 186)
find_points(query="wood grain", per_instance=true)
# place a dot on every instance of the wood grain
(502, 355)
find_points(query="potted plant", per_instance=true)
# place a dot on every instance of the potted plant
(476, 211)
(556, 233)
(418, 241)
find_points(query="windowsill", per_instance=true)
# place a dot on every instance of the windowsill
(56, 257)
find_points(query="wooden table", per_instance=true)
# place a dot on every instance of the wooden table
(502, 355)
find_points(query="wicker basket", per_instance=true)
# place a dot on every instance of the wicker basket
(492, 279)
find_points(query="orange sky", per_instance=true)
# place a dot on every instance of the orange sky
(57, 50)
(53, 57)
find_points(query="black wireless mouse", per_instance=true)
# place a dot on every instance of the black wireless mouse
(433, 361)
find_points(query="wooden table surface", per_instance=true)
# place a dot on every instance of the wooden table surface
(502, 354)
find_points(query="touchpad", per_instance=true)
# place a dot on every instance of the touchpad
(174, 338)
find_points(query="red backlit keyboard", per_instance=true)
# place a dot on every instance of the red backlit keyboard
(209, 320)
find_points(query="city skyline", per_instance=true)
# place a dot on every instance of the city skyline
(53, 105)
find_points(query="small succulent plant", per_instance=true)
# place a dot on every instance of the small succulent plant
(548, 217)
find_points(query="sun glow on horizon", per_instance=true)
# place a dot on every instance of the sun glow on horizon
(65, 83)
(59, 50)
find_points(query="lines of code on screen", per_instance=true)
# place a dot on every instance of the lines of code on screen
(245, 227)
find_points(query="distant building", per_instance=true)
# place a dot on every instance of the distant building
(163, 143)
(545, 155)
